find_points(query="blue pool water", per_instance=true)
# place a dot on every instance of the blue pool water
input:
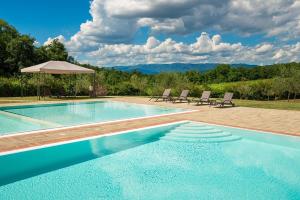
(178, 161)
(35, 117)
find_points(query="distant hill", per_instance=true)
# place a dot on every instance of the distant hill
(174, 67)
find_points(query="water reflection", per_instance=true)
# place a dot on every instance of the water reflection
(279, 162)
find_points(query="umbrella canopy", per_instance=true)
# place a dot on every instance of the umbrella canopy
(57, 67)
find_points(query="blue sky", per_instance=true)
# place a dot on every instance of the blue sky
(45, 18)
(125, 32)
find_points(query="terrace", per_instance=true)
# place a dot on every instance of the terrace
(277, 121)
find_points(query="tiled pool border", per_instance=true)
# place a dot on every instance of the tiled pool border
(90, 137)
(132, 130)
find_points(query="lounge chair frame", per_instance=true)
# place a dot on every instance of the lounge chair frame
(183, 97)
(227, 100)
(166, 96)
(204, 98)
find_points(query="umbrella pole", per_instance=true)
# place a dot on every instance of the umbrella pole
(42, 86)
(22, 85)
(69, 88)
(44, 79)
(75, 85)
(94, 85)
(39, 87)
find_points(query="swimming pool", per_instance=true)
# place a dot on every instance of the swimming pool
(44, 116)
(184, 160)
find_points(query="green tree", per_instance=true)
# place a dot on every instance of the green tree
(266, 89)
(245, 91)
(7, 33)
(139, 82)
(278, 86)
(194, 76)
(289, 78)
(41, 55)
(20, 52)
(295, 80)
(56, 51)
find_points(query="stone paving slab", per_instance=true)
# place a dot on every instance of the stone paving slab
(278, 121)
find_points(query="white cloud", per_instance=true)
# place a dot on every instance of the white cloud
(115, 21)
(103, 28)
(279, 54)
(151, 43)
(36, 43)
(287, 53)
(60, 38)
(205, 44)
(205, 49)
(167, 26)
(106, 38)
(263, 48)
(216, 39)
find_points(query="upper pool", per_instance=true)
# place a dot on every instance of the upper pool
(44, 116)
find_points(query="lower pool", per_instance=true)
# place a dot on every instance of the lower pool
(184, 160)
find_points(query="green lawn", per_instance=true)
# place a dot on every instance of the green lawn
(280, 104)
(4, 100)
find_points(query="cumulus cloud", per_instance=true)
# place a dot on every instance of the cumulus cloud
(103, 28)
(205, 49)
(287, 53)
(60, 38)
(151, 43)
(115, 21)
(106, 38)
(263, 48)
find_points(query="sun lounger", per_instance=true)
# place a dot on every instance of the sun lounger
(183, 97)
(204, 98)
(227, 100)
(166, 96)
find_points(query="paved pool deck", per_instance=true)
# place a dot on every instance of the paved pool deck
(277, 121)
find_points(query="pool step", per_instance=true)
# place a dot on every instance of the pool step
(198, 133)
(201, 140)
(203, 135)
(212, 131)
(190, 124)
(195, 128)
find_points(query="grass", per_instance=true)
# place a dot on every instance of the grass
(4, 100)
(279, 104)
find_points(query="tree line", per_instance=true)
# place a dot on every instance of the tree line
(286, 85)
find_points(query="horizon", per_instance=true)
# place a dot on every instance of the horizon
(110, 33)
(174, 63)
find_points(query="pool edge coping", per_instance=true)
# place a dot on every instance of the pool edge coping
(132, 130)
(90, 137)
